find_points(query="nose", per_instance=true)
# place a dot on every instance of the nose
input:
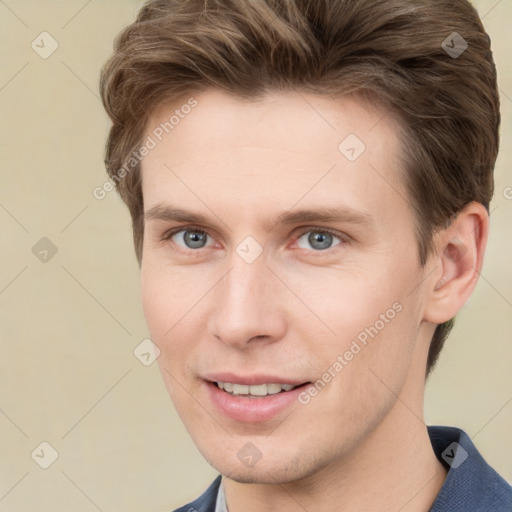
(247, 306)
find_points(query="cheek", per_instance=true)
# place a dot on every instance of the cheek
(164, 307)
(163, 304)
(166, 296)
(363, 380)
(347, 302)
(173, 304)
(155, 302)
(372, 319)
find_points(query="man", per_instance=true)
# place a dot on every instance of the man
(309, 185)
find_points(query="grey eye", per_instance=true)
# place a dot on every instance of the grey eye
(190, 238)
(318, 240)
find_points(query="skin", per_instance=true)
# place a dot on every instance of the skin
(361, 443)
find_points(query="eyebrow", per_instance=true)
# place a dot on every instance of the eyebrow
(170, 213)
(323, 214)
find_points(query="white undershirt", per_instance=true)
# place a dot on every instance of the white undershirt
(220, 505)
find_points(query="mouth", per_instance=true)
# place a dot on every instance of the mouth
(253, 399)
(255, 390)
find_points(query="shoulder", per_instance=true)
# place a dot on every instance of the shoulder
(205, 502)
(471, 484)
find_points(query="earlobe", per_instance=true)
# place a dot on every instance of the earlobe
(459, 259)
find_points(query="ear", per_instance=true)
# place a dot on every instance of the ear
(458, 260)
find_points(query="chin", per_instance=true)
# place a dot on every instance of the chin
(280, 468)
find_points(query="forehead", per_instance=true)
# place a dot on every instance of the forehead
(277, 151)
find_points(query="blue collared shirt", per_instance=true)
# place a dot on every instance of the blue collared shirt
(471, 485)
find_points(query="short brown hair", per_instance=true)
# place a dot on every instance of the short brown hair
(394, 51)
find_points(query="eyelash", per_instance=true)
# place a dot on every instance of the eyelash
(169, 234)
(344, 238)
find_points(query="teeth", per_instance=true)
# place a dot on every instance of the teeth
(255, 391)
(272, 389)
(260, 390)
(240, 389)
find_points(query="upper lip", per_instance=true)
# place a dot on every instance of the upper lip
(252, 380)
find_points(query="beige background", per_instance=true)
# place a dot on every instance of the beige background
(69, 325)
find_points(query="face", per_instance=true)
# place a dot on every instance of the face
(279, 253)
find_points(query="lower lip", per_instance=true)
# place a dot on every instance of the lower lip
(252, 410)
